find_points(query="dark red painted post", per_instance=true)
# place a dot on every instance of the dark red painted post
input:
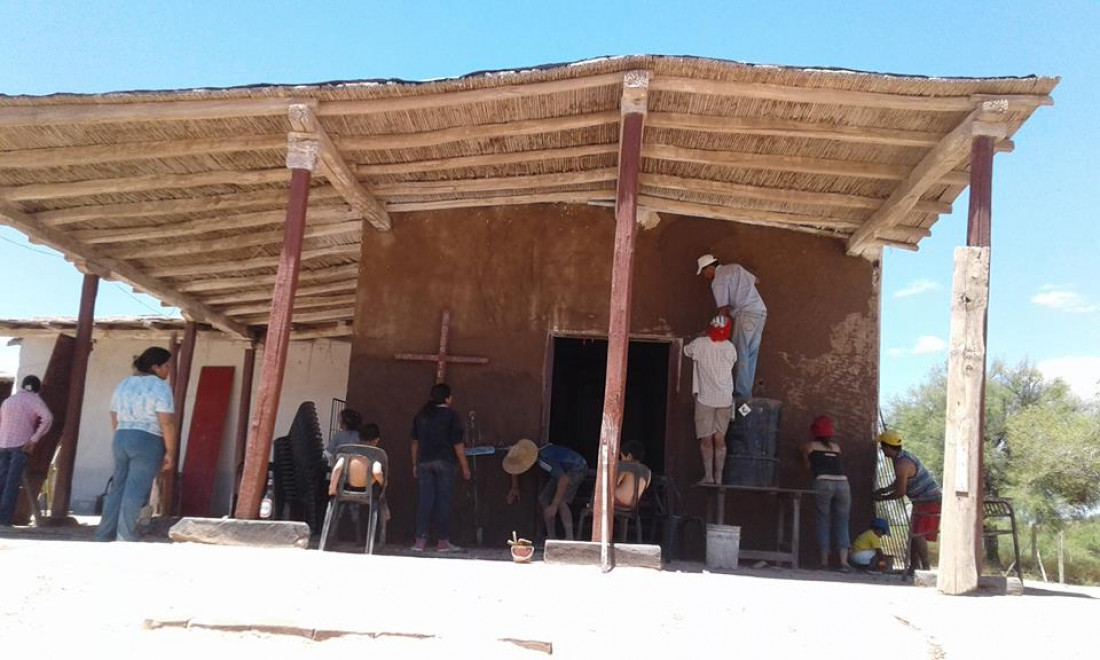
(66, 456)
(633, 107)
(301, 159)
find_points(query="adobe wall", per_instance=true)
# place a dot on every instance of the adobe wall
(511, 275)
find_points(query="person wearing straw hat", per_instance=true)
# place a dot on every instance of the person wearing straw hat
(567, 470)
(735, 294)
(912, 480)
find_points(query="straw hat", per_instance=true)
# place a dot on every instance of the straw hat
(521, 457)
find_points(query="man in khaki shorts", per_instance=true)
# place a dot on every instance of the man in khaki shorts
(712, 385)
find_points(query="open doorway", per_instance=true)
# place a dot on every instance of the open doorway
(579, 366)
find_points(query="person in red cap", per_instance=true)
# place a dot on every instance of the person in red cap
(821, 456)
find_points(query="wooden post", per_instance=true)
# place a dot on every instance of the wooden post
(244, 408)
(963, 493)
(182, 370)
(66, 454)
(301, 159)
(633, 107)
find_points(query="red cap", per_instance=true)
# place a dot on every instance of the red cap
(822, 427)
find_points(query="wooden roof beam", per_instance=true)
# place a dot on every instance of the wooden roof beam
(845, 97)
(342, 313)
(323, 215)
(800, 129)
(336, 170)
(264, 293)
(142, 184)
(944, 157)
(487, 160)
(222, 266)
(95, 111)
(203, 204)
(476, 132)
(332, 331)
(206, 246)
(300, 302)
(507, 183)
(239, 283)
(97, 263)
(803, 164)
(837, 200)
(573, 197)
(92, 154)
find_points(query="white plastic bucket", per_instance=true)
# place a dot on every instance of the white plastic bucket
(723, 546)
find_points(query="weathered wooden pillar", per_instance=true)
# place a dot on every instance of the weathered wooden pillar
(963, 490)
(633, 107)
(301, 159)
(66, 454)
(181, 369)
(244, 407)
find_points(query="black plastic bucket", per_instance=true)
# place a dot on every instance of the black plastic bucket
(752, 443)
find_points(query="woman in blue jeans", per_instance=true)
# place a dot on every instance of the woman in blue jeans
(833, 498)
(144, 422)
(437, 446)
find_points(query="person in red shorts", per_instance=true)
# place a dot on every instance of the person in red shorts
(913, 480)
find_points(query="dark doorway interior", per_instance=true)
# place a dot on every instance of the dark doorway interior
(576, 396)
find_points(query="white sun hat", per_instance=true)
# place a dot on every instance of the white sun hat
(704, 261)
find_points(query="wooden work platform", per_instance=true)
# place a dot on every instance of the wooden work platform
(786, 547)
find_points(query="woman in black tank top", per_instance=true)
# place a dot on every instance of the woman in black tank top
(833, 499)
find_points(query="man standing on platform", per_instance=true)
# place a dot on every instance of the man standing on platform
(712, 384)
(735, 294)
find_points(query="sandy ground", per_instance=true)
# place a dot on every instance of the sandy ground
(179, 600)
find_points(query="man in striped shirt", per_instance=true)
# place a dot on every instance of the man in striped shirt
(912, 480)
(24, 419)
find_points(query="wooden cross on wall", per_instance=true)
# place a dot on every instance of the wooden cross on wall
(441, 358)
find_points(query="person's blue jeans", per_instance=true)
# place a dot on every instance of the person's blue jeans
(12, 462)
(437, 483)
(139, 456)
(834, 503)
(747, 330)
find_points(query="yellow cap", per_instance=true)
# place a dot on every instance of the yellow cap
(890, 438)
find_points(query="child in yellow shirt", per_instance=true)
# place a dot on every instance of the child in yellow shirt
(866, 549)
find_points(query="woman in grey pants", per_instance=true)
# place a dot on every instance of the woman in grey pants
(834, 500)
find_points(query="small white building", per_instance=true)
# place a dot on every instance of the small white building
(316, 370)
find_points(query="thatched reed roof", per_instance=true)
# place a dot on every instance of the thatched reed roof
(181, 193)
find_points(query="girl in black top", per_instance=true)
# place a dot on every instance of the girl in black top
(833, 500)
(437, 446)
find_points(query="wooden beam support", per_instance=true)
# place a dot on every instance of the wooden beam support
(142, 281)
(264, 294)
(301, 160)
(575, 197)
(300, 302)
(791, 128)
(782, 195)
(941, 159)
(803, 164)
(217, 267)
(211, 203)
(845, 97)
(144, 183)
(476, 132)
(92, 154)
(505, 184)
(339, 313)
(345, 272)
(332, 331)
(324, 215)
(207, 246)
(244, 411)
(633, 106)
(181, 380)
(74, 404)
(337, 171)
(963, 488)
(824, 226)
(96, 111)
(486, 160)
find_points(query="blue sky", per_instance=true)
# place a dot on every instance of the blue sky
(1045, 301)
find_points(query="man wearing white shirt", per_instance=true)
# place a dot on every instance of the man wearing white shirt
(712, 384)
(735, 294)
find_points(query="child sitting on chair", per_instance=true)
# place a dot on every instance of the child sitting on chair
(358, 470)
(632, 452)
